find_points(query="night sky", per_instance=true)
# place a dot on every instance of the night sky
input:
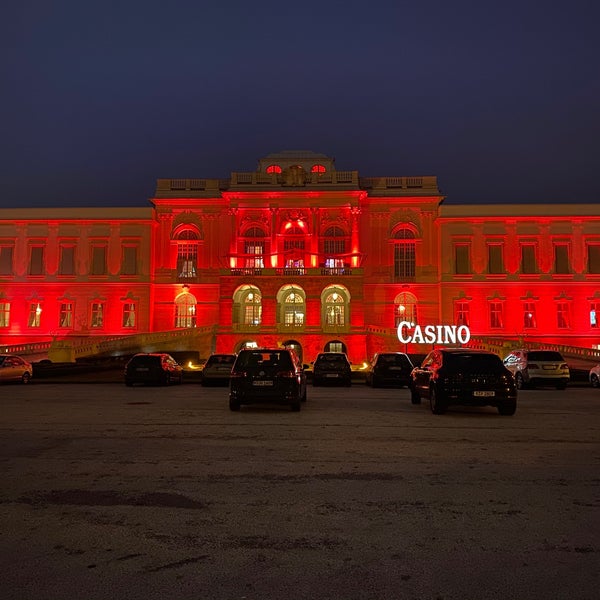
(500, 100)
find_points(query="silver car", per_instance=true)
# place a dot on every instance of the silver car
(538, 367)
(15, 368)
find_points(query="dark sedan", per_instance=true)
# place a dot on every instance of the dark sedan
(464, 376)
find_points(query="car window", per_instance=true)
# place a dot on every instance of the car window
(470, 362)
(220, 359)
(544, 355)
(146, 360)
(398, 360)
(265, 359)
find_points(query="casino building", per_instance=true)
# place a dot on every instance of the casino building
(302, 254)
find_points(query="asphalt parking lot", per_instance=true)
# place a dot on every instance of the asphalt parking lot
(115, 492)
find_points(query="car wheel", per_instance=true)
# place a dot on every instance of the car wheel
(594, 381)
(507, 409)
(233, 405)
(415, 397)
(26, 377)
(375, 382)
(520, 382)
(295, 406)
(438, 405)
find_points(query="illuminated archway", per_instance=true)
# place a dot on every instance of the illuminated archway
(185, 310)
(247, 301)
(405, 308)
(291, 307)
(335, 304)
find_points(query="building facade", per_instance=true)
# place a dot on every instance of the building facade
(299, 253)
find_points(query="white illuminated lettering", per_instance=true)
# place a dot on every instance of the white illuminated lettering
(433, 334)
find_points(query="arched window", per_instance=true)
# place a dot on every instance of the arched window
(404, 254)
(318, 169)
(185, 310)
(335, 301)
(247, 306)
(335, 242)
(405, 308)
(273, 169)
(291, 301)
(294, 243)
(187, 253)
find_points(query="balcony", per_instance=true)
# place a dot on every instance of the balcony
(293, 272)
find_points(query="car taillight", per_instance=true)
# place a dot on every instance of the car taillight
(286, 374)
(564, 367)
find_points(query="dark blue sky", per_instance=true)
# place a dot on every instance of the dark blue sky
(500, 100)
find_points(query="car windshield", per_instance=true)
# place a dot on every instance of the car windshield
(332, 359)
(399, 360)
(145, 360)
(544, 355)
(221, 359)
(265, 359)
(469, 362)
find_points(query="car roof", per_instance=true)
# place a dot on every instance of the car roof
(465, 351)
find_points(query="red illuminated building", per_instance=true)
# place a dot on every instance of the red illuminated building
(299, 253)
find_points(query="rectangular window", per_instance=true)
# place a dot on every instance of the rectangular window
(6, 260)
(462, 259)
(67, 260)
(495, 259)
(594, 307)
(404, 261)
(334, 246)
(129, 260)
(561, 259)
(528, 262)
(4, 314)
(97, 320)
(98, 260)
(563, 319)
(129, 315)
(496, 317)
(36, 260)
(593, 256)
(255, 251)
(65, 318)
(35, 314)
(462, 313)
(529, 320)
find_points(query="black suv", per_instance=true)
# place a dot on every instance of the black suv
(389, 368)
(267, 375)
(332, 368)
(462, 376)
(156, 368)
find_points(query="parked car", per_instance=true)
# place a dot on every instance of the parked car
(464, 376)
(389, 368)
(332, 368)
(154, 368)
(594, 376)
(538, 367)
(270, 375)
(15, 368)
(217, 369)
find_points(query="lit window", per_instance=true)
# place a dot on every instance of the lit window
(273, 169)
(35, 314)
(563, 315)
(4, 314)
(185, 310)
(187, 254)
(252, 308)
(496, 316)
(129, 316)
(405, 308)
(65, 318)
(594, 307)
(462, 313)
(293, 310)
(335, 310)
(318, 169)
(97, 320)
(529, 320)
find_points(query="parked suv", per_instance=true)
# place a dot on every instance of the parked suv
(389, 368)
(267, 375)
(463, 376)
(332, 368)
(538, 367)
(156, 368)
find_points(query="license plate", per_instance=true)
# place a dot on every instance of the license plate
(141, 369)
(331, 375)
(549, 367)
(484, 394)
(395, 368)
(262, 383)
